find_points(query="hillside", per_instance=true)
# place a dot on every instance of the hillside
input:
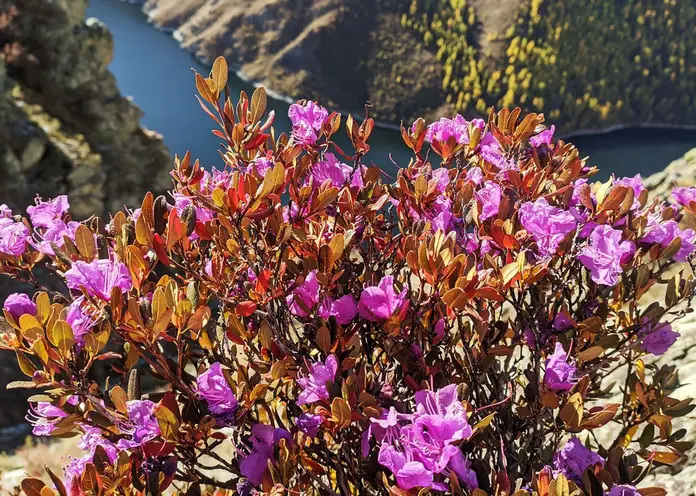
(586, 64)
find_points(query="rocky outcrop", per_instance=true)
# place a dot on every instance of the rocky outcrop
(64, 126)
(681, 172)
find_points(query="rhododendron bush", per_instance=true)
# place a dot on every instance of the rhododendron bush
(483, 322)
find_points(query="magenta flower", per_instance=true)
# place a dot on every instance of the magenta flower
(45, 212)
(381, 301)
(573, 459)
(263, 439)
(604, 255)
(440, 215)
(307, 121)
(623, 490)
(423, 449)
(664, 232)
(560, 374)
(304, 297)
(143, 424)
(18, 304)
(90, 440)
(344, 309)
(657, 339)
(443, 414)
(442, 179)
(80, 319)
(5, 211)
(475, 175)
(314, 383)
(216, 391)
(309, 423)
(13, 237)
(491, 152)
(261, 165)
(337, 173)
(687, 236)
(203, 214)
(457, 128)
(684, 196)
(489, 198)
(55, 233)
(44, 417)
(547, 225)
(636, 183)
(99, 277)
(562, 322)
(543, 138)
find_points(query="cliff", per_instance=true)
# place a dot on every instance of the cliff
(586, 64)
(64, 126)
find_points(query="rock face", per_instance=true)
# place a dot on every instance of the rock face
(681, 172)
(64, 126)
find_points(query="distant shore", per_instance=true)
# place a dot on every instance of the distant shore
(386, 125)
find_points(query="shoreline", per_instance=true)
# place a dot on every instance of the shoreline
(386, 125)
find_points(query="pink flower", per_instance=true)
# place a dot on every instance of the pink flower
(442, 180)
(307, 121)
(44, 417)
(263, 439)
(457, 128)
(604, 255)
(623, 490)
(314, 384)
(684, 196)
(13, 237)
(562, 322)
(687, 247)
(143, 424)
(5, 212)
(344, 309)
(99, 277)
(475, 175)
(424, 449)
(18, 304)
(90, 440)
(548, 225)
(381, 301)
(309, 423)
(202, 214)
(489, 198)
(573, 459)
(215, 390)
(80, 319)
(560, 374)
(543, 138)
(45, 212)
(636, 183)
(261, 165)
(337, 173)
(55, 233)
(304, 297)
(658, 338)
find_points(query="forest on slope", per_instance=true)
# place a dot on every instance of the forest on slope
(586, 64)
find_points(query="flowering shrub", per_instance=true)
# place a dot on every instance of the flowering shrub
(456, 329)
